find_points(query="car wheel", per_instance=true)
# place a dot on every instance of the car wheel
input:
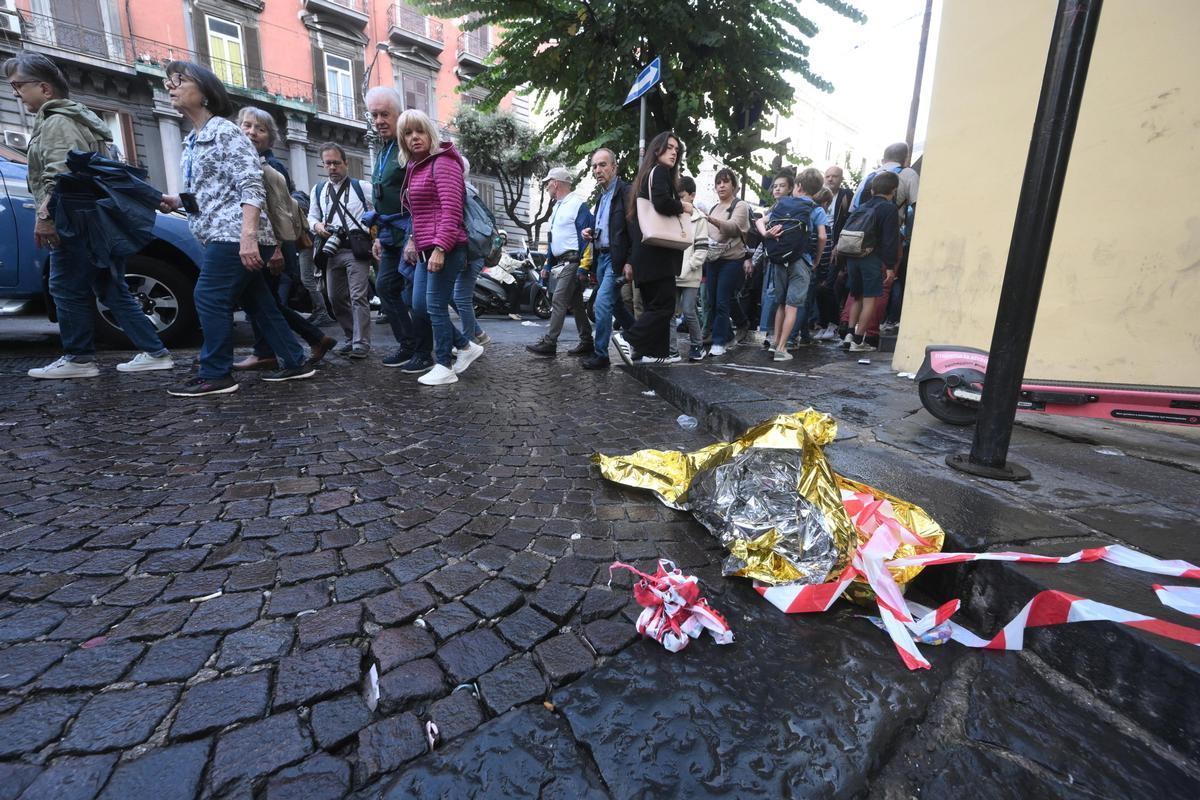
(164, 293)
(543, 307)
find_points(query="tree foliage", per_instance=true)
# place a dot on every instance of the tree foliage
(498, 144)
(724, 61)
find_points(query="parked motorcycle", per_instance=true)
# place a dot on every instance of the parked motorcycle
(494, 285)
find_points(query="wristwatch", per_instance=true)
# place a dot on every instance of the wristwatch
(43, 213)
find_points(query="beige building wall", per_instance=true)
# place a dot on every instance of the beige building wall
(1121, 299)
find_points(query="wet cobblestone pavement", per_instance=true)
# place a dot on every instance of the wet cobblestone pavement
(453, 537)
(193, 591)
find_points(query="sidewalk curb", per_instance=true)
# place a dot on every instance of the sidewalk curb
(1150, 679)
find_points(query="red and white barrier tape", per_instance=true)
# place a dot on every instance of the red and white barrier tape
(882, 535)
(1180, 598)
(673, 610)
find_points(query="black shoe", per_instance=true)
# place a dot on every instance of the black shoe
(542, 348)
(416, 364)
(291, 374)
(198, 387)
(360, 351)
(582, 349)
(595, 362)
(343, 349)
(398, 358)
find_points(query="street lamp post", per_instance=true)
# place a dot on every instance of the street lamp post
(371, 136)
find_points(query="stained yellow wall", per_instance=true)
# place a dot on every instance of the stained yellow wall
(1121, 299)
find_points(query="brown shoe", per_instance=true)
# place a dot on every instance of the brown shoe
(321, 348)
(254, 362)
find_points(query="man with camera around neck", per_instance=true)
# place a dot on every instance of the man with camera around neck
(335, 213)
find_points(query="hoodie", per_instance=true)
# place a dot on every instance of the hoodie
(436, 196)
(60, 126)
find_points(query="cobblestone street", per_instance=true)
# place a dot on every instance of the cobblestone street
(193, 591)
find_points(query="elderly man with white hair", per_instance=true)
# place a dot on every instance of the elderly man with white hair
(395, 227)
(570, 218)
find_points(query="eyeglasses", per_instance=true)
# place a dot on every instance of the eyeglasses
(16, 85)
(175, 81)
(333, 163)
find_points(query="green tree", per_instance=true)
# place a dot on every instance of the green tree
(498, 144)
(725, 62)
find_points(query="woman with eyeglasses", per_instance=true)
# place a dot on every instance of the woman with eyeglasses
(224, 198)
(62, 125)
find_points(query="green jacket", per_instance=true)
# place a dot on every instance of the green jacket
(60, 126)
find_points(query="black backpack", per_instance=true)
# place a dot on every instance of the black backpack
(796, 238)
(860, 234)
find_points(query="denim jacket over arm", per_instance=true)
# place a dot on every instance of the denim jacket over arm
(225, 175)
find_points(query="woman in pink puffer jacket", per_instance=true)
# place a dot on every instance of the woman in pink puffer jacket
(435, 194)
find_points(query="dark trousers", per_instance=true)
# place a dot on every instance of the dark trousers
(391, 286)
(651, 333)
(294, 319)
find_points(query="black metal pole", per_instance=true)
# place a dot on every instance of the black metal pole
(1071, 43)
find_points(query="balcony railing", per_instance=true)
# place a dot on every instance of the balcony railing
(407, 18)
(474, 44)
(354, 5)
(234, 75)
(87, 41)
(344, 106)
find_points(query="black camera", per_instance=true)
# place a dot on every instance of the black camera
(337, 237)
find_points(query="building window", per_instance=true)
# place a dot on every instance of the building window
(339, 83)
(828, 149)
(121, 126)
(226, 51)
(415, 91)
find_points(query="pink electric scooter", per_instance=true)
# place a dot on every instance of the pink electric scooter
(951, 386)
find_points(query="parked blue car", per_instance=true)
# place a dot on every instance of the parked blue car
(161, 277)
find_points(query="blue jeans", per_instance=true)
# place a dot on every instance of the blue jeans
(608, 304)
(75, 284)
(390, 285)
(726, 277)
(766, 316)
(431, 301)
(464, 297)
(224, 282)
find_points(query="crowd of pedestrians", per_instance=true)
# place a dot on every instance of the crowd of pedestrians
(822, 263)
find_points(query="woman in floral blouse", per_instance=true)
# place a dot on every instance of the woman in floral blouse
(225, 200)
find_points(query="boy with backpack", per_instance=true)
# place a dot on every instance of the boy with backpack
(787, 240)
(870, 241)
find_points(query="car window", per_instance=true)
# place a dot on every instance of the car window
(15, 156)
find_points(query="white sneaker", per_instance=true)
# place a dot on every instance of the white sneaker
(466, 357)
(847, 341)
(863, 347)
(66, 368)
(439, 376)
(781, 355)
(624, 349)
(144, 362)
(717, 350)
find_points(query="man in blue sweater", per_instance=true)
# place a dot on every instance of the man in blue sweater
(865, 276)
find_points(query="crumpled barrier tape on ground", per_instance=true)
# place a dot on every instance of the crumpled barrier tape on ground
(873, 560)
(673, 610)
(1180, 598)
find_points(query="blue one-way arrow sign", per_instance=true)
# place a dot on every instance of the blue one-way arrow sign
(648, 77)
